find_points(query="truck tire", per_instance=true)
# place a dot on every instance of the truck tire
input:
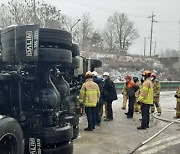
(75, 132)
(75, 50)
(66, 148)
(96, 63)
(73, 119)
(11, 137)
(55, 37)
(55, 55)
(52, 135)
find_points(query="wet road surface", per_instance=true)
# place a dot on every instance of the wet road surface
(121, 136)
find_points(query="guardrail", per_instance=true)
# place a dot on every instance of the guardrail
(165, 85)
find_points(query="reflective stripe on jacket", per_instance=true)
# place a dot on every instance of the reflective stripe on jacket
(124, 92)
(146, 92)
(178, 94)
(89, 93)
(156, 88)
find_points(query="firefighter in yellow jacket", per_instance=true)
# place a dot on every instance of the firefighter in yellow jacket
(125, 97)
(89, 96)
(156, 94)
(145, 99)
(177, 95)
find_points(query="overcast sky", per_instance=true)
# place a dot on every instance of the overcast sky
(166, 31)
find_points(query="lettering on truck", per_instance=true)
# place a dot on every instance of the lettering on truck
(34, 146)
(36, 40)
(29, 43)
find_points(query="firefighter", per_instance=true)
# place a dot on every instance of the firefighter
(99, 106)
(137, 107)
(131, 89)
(145, 99)
(89, 96)
(156, 94)
(109, 95)
(125, 97)
(177, 95)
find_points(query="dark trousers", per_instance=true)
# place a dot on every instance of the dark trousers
(109, 110)
(98, 113)
(131, 106)
(91, 116)
(145, 115)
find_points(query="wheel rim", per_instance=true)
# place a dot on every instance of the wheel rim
(8, 144)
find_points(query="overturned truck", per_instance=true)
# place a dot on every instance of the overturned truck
(41, 73)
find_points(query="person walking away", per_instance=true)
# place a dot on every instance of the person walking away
(156, 94)
(137, 107)
(125, 97)
(145, 99)
(89, 96)
(131, 88)
(109, 95)
(99, 105)
(177, 95)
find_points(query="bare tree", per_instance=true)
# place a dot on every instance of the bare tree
(86, 30)
(122, 30)
(109, 37)
(22, 12)
(170, 53)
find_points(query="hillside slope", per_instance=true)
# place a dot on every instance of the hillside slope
(118, 66)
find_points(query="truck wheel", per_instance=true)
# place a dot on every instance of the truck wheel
(11, 137)
(95, 63)
(72, 119)
(66, 148)
(75, 50)
(52, 135)
(75, 132)
(55, 55)
(75, 63)
(55, 36)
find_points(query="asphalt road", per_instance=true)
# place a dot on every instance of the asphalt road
(121, 136)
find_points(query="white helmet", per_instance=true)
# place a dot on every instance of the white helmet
(95, 73)
(105, 74)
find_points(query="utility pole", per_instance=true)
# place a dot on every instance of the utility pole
(154, 48)
(152, 21)
(179, 37)
(34, 8)
(144, 46)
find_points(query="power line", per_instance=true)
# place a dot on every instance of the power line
(103, 9)
(168, 21)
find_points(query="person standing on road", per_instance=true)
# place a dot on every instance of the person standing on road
(89, 96)
(156, 94)
(99, 105)
(177, 95)
(109, 95)
(125, 97)
(145, 99)
(131, 88)
(137, 107)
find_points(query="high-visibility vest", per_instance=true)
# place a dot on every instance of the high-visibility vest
(146, 92)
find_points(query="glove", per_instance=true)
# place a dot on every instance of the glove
(176, 96)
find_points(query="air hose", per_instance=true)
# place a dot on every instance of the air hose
(149, 139)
